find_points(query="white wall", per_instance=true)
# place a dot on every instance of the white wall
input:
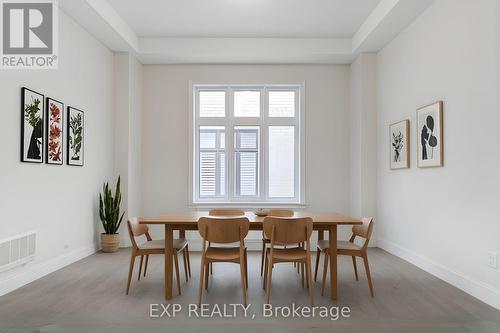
(60, 202)
(166, 127)
(445, 219)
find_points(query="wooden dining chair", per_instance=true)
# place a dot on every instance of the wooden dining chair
(223, 212)
(154, 247)
(287, 231)
(265, 240)
(223, 230)
(348, 248)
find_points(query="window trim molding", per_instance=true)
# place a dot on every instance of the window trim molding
(300, 200)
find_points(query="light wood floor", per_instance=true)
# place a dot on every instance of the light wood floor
(88, 296)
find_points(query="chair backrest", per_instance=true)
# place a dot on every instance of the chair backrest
(290, 230)
(226, 212)
(281, 213)
(363, 230)
(135, 230)
(223, 229)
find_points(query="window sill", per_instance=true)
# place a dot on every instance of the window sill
(246, 205)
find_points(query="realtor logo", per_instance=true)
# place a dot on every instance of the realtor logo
(29, 34)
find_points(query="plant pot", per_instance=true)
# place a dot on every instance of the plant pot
(110, 242)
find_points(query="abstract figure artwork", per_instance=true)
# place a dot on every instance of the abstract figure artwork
(31, 126)
(399, 147)
(430, 135)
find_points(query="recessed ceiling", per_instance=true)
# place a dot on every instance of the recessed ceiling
(245, 18)
(244, 31)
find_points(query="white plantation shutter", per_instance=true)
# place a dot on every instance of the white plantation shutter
(212, 161)
(207, 174)
(222, 173)
(212, 103)
(281, 103)
(246, 160)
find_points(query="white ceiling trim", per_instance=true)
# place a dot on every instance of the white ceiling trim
(157, 50)
(387, 20)
(115, 21)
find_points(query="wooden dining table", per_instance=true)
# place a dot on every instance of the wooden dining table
(188, 220)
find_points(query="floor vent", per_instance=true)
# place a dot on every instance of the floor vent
(17, 250)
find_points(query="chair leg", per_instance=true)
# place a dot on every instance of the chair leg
(188, 260)
(184, 258)
(140, 268)
(355, 268)
(146, 265)
(246, 269)
(266, 268)
(207, 272)
(262, 258)
(211, 264)
(269, 279)
(309, 280)
(130, 271)
(301, 274)
(325, 269)
(318, 255)
(202, 273)
(368, 275)
(305, 273)
(243, 280)
(177, 278)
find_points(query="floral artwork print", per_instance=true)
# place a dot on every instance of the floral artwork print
(75, 140)
(54, 132)
(399, 145)
(75, 137)
(32, 126)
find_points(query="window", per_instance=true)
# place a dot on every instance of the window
(246, 144)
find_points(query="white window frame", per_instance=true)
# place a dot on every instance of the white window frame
(229, 122)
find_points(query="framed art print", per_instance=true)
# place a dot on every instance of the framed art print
(75, 133)
(54, 133)
(31, 126)
(400, 148)
(430, 135)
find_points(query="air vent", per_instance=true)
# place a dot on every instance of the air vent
(17, 250)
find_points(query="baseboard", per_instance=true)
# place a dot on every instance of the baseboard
(33, 271)
(484, 292)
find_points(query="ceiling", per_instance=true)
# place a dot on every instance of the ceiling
(244, 31)
(245, 18)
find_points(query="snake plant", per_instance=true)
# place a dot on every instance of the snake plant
(109, 208)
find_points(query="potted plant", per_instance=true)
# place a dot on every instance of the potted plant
(109, 212)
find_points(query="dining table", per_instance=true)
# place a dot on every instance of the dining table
(188, 220)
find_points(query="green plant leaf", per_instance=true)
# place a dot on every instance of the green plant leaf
(109, 208)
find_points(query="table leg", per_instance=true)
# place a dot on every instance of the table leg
(169, 243)
(333, 261)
